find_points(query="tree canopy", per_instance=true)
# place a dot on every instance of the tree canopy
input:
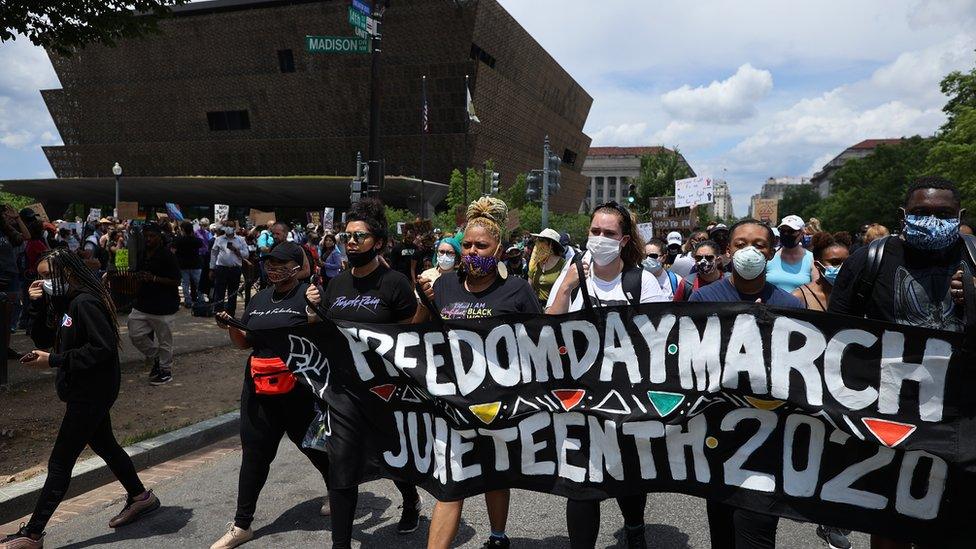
(67, 25)
(658, 172)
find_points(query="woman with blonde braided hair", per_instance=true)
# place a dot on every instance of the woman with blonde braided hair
(73, 315)
(478, 292)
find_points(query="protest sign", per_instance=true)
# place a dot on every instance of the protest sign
(646, 231)
(39, 210)
(162, 216)
(765, 210)
(328, 218)
(823, 418)
(260, 218)
(666, 217)
(313, 217)
(128, 210)
(94, 214)
(221, 211)
(693, 191)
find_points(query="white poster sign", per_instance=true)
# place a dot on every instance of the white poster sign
(693, 191)
(646, 231)
(221, 211)
(94, 214)
(328, 218)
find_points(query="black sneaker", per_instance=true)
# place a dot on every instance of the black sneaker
(635, 538)
(410, 517)
(835, 538)
(161, 378)
(499, 543)
(21, 540)
(154, 372)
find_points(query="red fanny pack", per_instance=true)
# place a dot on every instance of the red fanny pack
(271, 376)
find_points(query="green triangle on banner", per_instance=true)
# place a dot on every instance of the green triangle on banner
(665, 403)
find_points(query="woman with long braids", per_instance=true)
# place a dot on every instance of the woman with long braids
(613, 276)
(477, 291)
(367, 292)
(73, 313)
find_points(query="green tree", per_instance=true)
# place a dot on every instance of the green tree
(68, 25)
(871, 189)
(658, 173)
(455, 195)
(18, 202)
(394, 216)
(801, 200)
(514, 195)
(954, 155)
(960, 87)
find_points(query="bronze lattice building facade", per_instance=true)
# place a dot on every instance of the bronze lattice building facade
(228, 89)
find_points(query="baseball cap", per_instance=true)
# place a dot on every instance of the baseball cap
(287, 251)
(27, 213)
(151, 227)
(551, 234)
(674, 237)
(719, 227)
(513, 249)
(794, 222)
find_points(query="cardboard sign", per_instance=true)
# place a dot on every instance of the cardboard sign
(39, 210)
(765, 210)
(693, 191)
(128, 210)
(314, 218)
(328, 218)
(646, 231)
(666, 217)
(260, 218)
(221, 211)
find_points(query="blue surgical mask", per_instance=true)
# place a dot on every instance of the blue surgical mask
(829, 272)
(652, 264)
(929, 232)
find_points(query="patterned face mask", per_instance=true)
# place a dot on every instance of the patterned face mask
(928, 232)
(477, 265)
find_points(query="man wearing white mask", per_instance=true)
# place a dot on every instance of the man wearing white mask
(751, 246)
(614, 252)
(226, 259)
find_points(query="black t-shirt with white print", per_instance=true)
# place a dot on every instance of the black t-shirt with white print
(268, 310)
(504, 296)
(383, 296)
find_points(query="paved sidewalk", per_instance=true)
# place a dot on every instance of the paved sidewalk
(190, 334)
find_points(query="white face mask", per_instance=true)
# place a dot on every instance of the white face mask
(749, 263)
(445, 262)
(603, 249)
(48, 286)
(229, 231)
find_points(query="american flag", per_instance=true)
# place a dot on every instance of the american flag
(425, 111)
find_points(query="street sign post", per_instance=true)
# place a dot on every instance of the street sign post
(336, 44)
(357, 18)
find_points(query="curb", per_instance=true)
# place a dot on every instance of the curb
(17, 500)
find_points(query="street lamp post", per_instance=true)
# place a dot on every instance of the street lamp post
(117, 170)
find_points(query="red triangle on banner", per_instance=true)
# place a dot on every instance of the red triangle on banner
(890, 433)
(569, 398)
(384, 391)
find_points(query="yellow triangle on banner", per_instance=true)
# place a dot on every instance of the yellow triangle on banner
(486, 412)
(764, 404)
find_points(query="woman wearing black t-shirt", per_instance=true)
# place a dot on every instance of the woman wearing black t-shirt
(367, 292)
(478, 292)
(272, 403)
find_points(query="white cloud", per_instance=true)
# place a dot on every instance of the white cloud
(622, 134)
(731, 100)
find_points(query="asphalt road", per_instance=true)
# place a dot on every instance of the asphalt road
(198, 505)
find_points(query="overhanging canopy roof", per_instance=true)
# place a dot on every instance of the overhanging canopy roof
(255, 192)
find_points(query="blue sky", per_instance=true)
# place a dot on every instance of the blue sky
(749, 89)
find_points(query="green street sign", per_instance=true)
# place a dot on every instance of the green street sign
(336, 44)
(357, 18)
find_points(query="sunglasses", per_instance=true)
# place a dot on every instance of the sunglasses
(653, 256)
(355, 236)
(708, 257)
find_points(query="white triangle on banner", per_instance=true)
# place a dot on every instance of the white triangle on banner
(620, 407)
(409, 395)
(523, 407)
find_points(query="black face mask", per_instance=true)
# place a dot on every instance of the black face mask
(788, 241)
(359, 259)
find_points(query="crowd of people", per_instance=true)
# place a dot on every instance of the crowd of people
(63, 287)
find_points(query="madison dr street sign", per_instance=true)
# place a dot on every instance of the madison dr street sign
(336, 44)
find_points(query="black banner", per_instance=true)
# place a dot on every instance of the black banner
(824, 418)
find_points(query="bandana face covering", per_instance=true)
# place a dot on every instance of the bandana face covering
(278, 276)
(928, 232)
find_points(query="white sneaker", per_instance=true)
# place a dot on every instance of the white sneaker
(235, 536)
(326, 509)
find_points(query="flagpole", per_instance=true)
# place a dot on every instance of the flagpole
(467, 125)
(423, 145)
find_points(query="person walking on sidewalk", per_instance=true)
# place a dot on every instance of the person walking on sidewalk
(157, 302)
(227, 258)
(272, 403)
(73, 313)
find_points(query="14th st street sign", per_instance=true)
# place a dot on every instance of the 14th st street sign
(336, 44)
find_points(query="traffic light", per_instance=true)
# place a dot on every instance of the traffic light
(631, 193)
(363, 184)
(533, 188)
(355, 190)
(554, 163)
(495, 182)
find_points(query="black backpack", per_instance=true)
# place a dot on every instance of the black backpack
(630, 282)
(864, 284)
